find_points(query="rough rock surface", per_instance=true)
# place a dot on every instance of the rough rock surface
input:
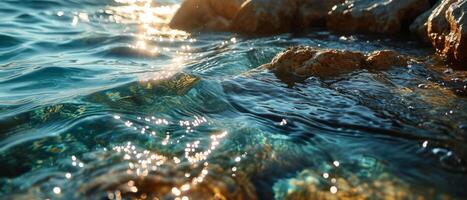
(276, 16)
(437, 24)
(303, 62)
(266, 16)
(313, 12)
(420, 26)
(252, 16)
(375, 16)
(205, 14)
(447, 30)
(385, 59)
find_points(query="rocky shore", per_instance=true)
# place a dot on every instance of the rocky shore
(441, 23)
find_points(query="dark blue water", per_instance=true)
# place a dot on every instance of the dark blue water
(101, 100)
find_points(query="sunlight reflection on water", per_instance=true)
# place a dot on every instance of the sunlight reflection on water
(146, 111)
(152, 28)
(176, 153)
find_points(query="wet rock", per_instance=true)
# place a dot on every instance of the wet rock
(276, 16)
(420, 26)
(252, 16)
(381, 16)
(313, 12)
(385, 59)
(437, 25)
(306, 61)
(205, 14)
(303, 62)
(447, 32)
(271, 16)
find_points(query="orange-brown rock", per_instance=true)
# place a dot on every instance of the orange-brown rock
(375, 16)
(420, 26)
(267, 16)
(447, 30)
(252, 16)
(205, 14)
(303, 62)
(385, 59)
(276, 16)
(437, 25)
(313, 13)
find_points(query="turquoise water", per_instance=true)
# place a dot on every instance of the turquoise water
(101, 100)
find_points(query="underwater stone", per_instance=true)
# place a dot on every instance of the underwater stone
(308, 184)
(159, 183)
(143, 92)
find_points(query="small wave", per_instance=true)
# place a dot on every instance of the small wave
(28, 19)
(16, 53)
(9, 41)
(47, 75)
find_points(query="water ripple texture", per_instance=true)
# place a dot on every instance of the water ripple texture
(102, 100)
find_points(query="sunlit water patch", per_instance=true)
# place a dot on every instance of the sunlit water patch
(102, 100)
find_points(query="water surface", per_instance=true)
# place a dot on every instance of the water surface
(102, 100)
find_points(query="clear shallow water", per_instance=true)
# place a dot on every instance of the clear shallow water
(100, 99)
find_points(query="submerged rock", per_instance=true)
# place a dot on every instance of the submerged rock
(169, 182)
(381, 16)
(140, 93)
(311, 185)
(303, 62)
(447, 31)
